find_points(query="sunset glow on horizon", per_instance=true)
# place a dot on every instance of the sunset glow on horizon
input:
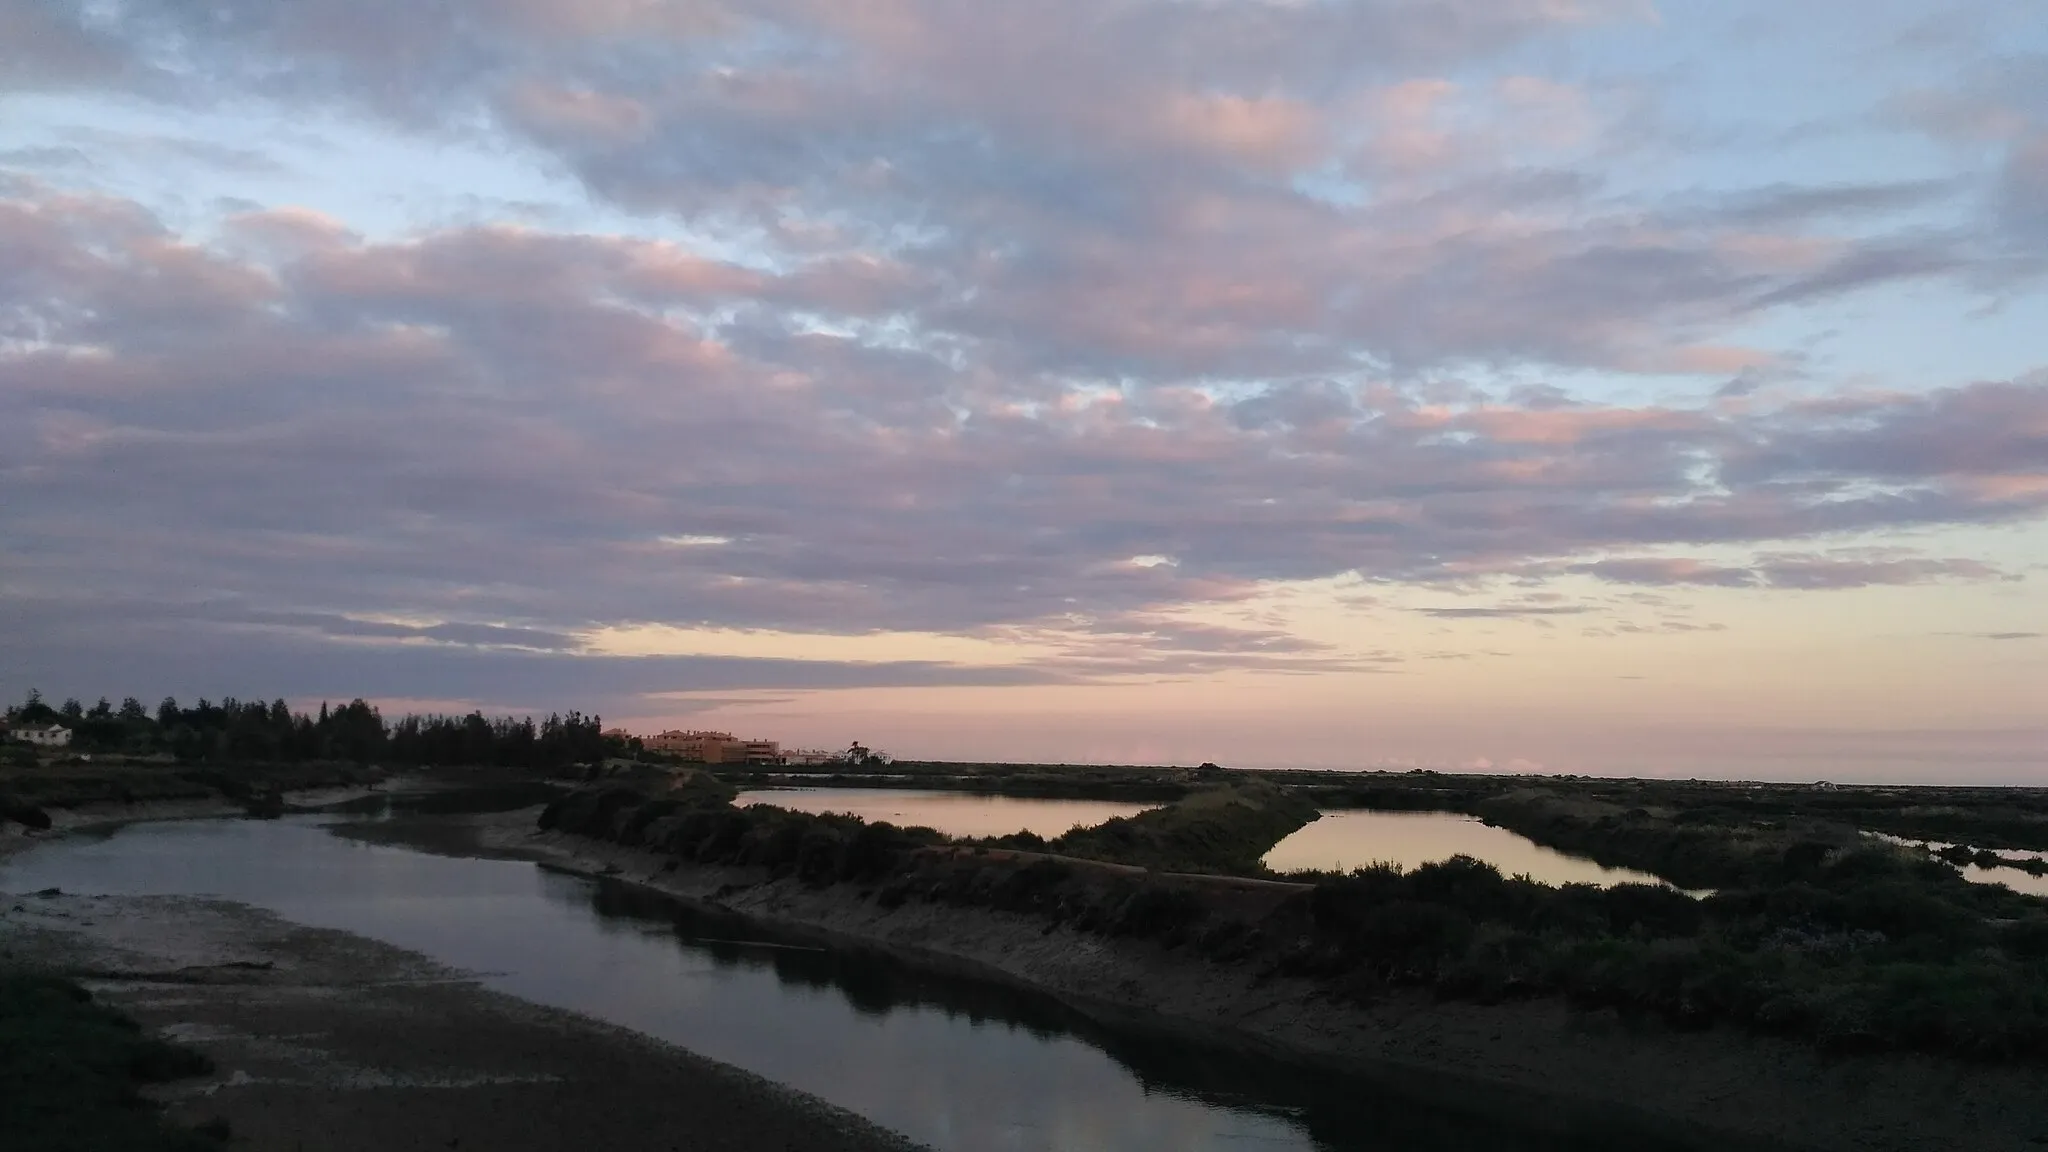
(1612, 387)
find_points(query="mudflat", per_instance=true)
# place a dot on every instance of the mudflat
(322, 1041)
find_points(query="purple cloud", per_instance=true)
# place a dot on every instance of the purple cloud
(949, 347)
(1790, 571)
(1139, 219)
(1664, 571)
(472, 422)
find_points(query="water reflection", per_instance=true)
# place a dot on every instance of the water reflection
(954, 813)
(963, 1065)
(509, 796)
(1244, 1100)
(2013, 878)
(1341, 841)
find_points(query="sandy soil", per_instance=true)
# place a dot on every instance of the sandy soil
(1534, 1059)
(327, 1042)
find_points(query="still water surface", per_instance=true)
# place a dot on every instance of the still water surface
(1338, 842)
(1341, 841)
(962, 1065)
(954, 813)
(2013, 878)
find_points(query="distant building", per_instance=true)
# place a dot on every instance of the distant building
(616, 733)
(810, 757)
(45, 735)
(714, 748)
(760, 751)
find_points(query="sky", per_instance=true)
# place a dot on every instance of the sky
(1579, 386)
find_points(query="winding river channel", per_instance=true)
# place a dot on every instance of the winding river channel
(959, 1064)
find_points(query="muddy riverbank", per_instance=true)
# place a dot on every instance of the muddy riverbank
(98, 816)
(327, 1042)
(1535, 1058)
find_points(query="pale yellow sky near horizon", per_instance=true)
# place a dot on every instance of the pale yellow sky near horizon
(1882, 682)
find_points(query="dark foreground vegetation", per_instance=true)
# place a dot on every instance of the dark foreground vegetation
(71, 1070)
(1812, 931)
(252, 753)
(252, 731)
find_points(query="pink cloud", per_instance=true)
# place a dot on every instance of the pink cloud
(1564, 426)
(549, 109)
(1268, 131)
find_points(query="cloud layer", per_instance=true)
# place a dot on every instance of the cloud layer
(1056, 325)
(497, 425)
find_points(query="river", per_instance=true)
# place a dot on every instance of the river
(962, 1065)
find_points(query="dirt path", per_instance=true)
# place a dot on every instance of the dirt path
(328, 1042)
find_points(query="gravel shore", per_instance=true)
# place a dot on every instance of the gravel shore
(328, 1042)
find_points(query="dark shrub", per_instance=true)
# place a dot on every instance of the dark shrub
(589, 811)
(27, 815)
(633, 823)
(1035, 885)
(1901, 909)
(1650, 910)
(1493, 967)
(1473, 887)
(727, 836)
(773, 844)
(1155, 912)
(1804, 858)
(1409, 940)
(821, 851)
(875, 850)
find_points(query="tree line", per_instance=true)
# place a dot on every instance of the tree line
(250, 730)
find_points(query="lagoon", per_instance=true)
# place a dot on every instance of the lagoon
(1342, 841)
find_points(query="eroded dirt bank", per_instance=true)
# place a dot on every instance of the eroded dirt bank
(1537, 1059)
(328, 1042)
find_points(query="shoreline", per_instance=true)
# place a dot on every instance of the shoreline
(109, 815)
(324, 1041)
(1539, 1060)
(1712, 1089)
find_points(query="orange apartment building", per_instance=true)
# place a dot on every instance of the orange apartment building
(714, 748)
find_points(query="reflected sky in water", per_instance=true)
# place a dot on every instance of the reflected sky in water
(954, 813)
(2013, 878)
(963, 1065)
(1341, 841)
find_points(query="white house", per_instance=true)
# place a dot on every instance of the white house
(47, 735)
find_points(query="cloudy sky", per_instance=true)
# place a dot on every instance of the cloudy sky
(1610, 385)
